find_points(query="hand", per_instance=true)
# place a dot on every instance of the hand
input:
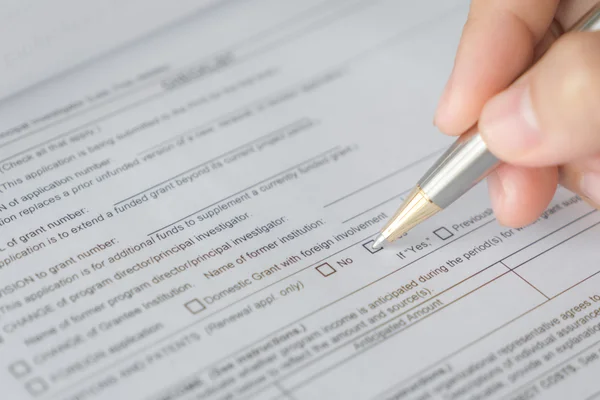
(546, 125)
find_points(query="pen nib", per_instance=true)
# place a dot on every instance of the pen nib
(378, 242)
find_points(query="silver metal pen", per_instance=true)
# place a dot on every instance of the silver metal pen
(460, 168)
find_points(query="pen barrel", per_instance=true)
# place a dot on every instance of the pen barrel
(590, 22)
(460, 168)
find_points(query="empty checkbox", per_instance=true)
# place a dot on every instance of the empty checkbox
(195, 306)
(369, 247)
(326, 269)
(443, 233)
(36, 386)
(19, 369)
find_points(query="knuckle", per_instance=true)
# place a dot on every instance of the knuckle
(572, 79)
(580, 83)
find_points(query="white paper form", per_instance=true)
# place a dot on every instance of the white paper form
(39, 39)
(202, 231)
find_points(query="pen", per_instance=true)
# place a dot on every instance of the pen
(460, 168)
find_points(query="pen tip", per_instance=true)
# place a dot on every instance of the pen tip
(378, 242)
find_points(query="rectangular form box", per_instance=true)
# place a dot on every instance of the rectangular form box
(195, 306)
(539, 243)
(326, 270)
(369, 247)
(443, 233)
(561, 267)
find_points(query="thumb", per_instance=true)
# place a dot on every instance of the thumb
(552, 114)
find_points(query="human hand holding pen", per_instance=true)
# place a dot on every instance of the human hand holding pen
(546, 125)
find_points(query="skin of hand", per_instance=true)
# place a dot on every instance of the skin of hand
(546, 125)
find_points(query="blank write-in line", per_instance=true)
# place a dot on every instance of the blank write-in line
(557, 245)
(377, 206)
(396, 172)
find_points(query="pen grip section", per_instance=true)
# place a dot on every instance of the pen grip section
(460, 168)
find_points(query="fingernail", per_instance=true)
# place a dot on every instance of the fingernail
(590, 186)
(508, 123)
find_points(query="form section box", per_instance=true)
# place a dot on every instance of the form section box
(36, 386)
(443, 233)
(369, 247)
(19, 369)
(195, 306)
(326, 270)
(560, 267)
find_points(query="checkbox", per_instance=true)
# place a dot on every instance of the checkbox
(195, 306)
(369, 247)
(36, 386)
(326, 270)
(443, 233)
(19, 369)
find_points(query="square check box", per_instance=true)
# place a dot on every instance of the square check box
(195, 306)
(326, 270)
(19, 369)
(369, 247)
(36, 386)
(443, 233)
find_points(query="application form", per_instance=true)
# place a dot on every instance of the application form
(39, 39)
(191, 218)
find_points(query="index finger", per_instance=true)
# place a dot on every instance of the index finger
(497, 45)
